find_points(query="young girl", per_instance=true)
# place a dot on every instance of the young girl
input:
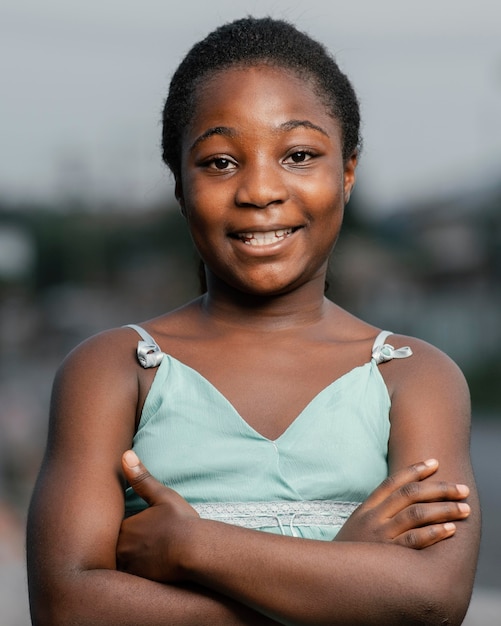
(261, 405)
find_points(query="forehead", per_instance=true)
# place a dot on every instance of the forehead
(261, 90)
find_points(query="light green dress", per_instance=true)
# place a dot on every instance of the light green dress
(305, 483)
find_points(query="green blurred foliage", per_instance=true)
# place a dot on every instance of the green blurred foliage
(78, 246)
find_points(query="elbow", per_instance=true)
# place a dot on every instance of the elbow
(432, 613)
(452, 608)
(51, 613)
(57, 602)
(42, 614)
(445, 604)
(47, 611)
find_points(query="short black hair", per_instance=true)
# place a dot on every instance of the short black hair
(252, 41)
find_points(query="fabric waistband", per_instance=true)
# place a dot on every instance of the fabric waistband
(278, 514)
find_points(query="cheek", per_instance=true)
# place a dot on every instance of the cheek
(326, 187)
(204, 232)
(203, 202)
(326, 207)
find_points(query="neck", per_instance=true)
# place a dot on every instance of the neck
(303, 306)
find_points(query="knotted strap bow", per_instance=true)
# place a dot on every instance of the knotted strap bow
(149, 354)
(385, 352)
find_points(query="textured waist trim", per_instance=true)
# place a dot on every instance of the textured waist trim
(278, 514)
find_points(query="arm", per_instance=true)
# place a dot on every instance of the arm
(366, 581)
(78, 505)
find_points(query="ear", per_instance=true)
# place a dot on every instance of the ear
(349, 175)
(178, 191)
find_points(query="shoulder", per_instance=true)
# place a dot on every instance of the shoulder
(94, 401)
(107, 351)
(112, 354)
(430, 400)
(101, 371)
(428, 367)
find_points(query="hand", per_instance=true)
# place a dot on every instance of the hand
(149, 542)
(408, 511)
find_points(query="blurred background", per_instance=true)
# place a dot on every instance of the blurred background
(90, 236)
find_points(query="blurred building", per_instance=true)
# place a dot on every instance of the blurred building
(432, 271)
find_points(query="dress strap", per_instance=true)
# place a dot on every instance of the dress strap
(382, 352)
(149, 353)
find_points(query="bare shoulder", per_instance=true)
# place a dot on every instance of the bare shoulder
(105, 367)
(427, 387)
(96, 386)
(430, 408)
(110, 345)
(428, 369)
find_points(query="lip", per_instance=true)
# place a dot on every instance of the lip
(262, 240)
(278, 229)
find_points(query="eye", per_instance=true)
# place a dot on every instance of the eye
(219, 163)
(299, 156)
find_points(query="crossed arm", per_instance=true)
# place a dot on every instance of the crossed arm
(303, 582)
(178, 569)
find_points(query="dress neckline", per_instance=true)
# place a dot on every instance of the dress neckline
(338, 382)
(151, 355)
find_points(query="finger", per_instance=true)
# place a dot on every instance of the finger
(428, 514)
(143, 483)
(409, 474)
(420, 538)
(422, 492)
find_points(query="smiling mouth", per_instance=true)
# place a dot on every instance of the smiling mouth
(264, 238)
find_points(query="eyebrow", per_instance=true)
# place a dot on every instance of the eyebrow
(227, 131)
(292, 124)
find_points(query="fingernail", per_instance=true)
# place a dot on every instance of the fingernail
(463, 507)
(463, 490)
(449, 526)
(431, 462)
(131, 459)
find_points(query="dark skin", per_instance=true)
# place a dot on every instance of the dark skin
(407, 555)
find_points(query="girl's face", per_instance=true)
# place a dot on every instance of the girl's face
(263, 183)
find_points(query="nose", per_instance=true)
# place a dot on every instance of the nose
(261, 184)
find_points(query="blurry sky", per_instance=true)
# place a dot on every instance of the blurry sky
(82, 86)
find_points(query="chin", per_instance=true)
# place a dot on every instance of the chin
(267, 284)
(267, 288)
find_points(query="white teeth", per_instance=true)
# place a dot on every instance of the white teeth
(263, 239)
